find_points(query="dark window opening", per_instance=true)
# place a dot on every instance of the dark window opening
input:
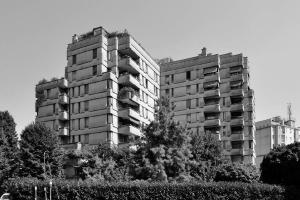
(188, 75)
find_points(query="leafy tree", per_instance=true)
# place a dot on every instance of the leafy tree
(40, 152)
(232, 172)
(282, 165)
(164, 152)
(9, 162)
(101, 163)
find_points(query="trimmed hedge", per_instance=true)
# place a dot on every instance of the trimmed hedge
(24, 189)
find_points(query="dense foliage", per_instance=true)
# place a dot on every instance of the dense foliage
(282, 165)
(164, 152)
(39, 152)
(24, 189)
(9, 163)
(236, 172)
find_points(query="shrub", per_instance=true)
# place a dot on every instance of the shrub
(282, 165)
(24, 189)
(237, 172)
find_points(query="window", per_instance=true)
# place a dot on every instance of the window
(198, 73)
(53, 108)
(74, 60)
(250, 115)
(94, 53)
(109, 101)
(73, 92)
(79, 123)
(108, 55)
(73, 75)
(86, 122)
(79, 138)
(48, 93)
(86, 105)
(250, 130)
(188, 118)
(188, 103)
(73, 124)
(167, 91)
(172, 92)
(146, 83)
(188, 89)
(79, 107)
(236, 144)
(109, 84)
(167, 79)
(197, 102)
(109, 118)
(172, 78)
(94, 70)
(73, 105)
(250, 144)
(197, 88)
(188, 75)
(86, 89)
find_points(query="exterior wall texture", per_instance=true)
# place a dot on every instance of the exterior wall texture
(112, 86)
(211, 93)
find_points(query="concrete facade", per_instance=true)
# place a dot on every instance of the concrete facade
(211, 93)
(273, 132)
(112, 84)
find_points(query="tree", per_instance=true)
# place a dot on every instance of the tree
(282, 165)
(40, 152)
(164, 152)
(232, 172)
(9, 162)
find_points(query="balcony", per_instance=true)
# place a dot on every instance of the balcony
(128, 65)
(213, 77)
(209, 93)
(237, 137)
(212, 122)
(237, 107)
(63, 99)
(63, 115)
(129, 80)
(237, 122)
(249, 107)
(63, 132)
(129, 130)
(63, 83)
(212, 108)
(129, 98)
(249, 151)
(128, 46)
(237, 151)
(129, 113)
(237, 92)
(250, 93)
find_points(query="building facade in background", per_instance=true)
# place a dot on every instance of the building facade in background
(273, 132)
(107, 93)
(211, 93)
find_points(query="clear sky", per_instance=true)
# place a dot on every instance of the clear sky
(34, 37)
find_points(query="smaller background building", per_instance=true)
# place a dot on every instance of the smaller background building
(273, 132)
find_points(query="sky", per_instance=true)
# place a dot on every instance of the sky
(34, 37)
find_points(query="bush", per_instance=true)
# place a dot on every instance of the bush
(282, 165)
(237, 172)
(24, 189)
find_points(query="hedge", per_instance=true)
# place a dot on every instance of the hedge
(24, 189)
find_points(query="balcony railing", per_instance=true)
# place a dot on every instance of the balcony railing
(214, 92)
(212, 77)
(212, 108)
(237, 151)
(128, 113)
(128, 65)
(212, 122)
(237, 137)
(63, 115)
(237, 122)
(237, 107)
(63, 132)
(129, 130)
(63, 99)
(129, 80)
(237, 92)
(129, 98)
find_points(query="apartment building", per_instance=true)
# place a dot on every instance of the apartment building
(273, 132)
(211, 93)
(112, 84)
